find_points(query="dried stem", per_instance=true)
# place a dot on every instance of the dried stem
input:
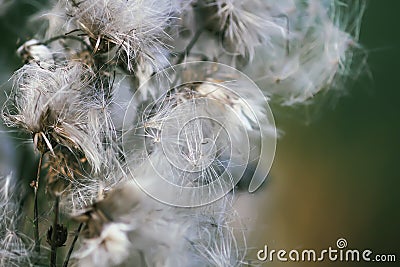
(71, 248)
(35, 206)
(190, 45)
(65, 36)
(53, 257)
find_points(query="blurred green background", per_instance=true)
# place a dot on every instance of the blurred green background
(336, 177)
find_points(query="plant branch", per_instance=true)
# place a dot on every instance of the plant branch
(53, 257)
(72, 37)
(190, 45)
(35, 185)
(72, 245)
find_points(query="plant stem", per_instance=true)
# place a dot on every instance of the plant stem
(190, 45)
(72, 245)
(58, 37)
(53, 257)
(35, 206)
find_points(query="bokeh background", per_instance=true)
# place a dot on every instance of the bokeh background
(336, 170)
(336, 173)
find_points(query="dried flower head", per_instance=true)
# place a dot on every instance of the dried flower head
(292, 49)
(241, 25)
(197, 134)
(65, 169)
(134, 29)
(106, 229)
(54, 106)
(129, 227)
(322, 39)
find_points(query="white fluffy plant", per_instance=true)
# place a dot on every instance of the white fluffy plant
(16, 248)
(188, 125)
(129, 31)
(128, 227)
(292, 49)
(54, 106)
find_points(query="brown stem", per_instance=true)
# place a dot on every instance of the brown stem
(72, 37)
(71, 248)
(190, 45)
(35, 206)
(53, 258)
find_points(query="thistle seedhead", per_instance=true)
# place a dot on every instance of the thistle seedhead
(321, 42)
(54, 106)
(292, 49)
(111, 207)
(242, 26)
(127, 226)
(15, 247)
(129, 30)
(66, 168)
(107, 224)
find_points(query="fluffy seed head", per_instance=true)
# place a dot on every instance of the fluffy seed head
(135, 29)
(54, 106)
(317, 54)
(109, 249)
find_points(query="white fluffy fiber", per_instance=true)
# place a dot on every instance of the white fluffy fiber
(134, 30)
(109, 249)
(292, 49)
(322, 38)
(57, 106)
(152, 234)
(14, 250)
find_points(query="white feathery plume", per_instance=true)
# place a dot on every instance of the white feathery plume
(7, 203)
(153, 234)
(88, 189)
(218, 238)
(54, 105)
(7, 153)
(15, 247)
(111, 248)
(198, 131)
(292, 49)
(134, 29)
(322, 38)
(107, 225)
(102, 220)
(242, 25)
(33, 51)
(231, 30)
